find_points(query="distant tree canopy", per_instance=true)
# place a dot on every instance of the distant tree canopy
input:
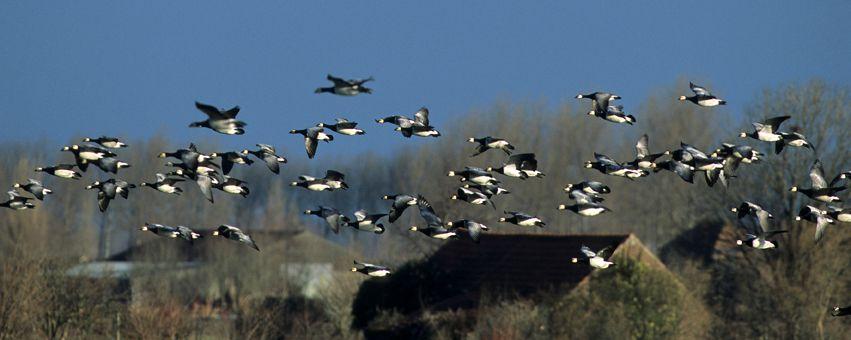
(781, 293)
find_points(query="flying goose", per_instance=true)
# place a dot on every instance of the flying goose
(165, 184)
(107, 191)
(591, 187)
(110, 164)
(820, 217)
(585, 209)
(522, 165)
(594, 259)
(600, 100)
(767, 131)
(644, 159)
(332, 216)
(83, 154)
(61, 171)
(472, 197)
(421, 126)
(522, 219)
(172, 232)
(221, 121)
(229, 158)
(400, 203)
(312, 136)
(819, 190)
(434, 225)
(233, 186)
(107, 142)
(35, 188)
(474, 175)
(267, 154)
(472, 228)
(17, 202)
(760, 241)
(608, 166)
(839, 214)
(344, 87)
(793, 138)
(189, 156)
(750, 208)
(204, 181)
(702, 97)
(367, 222)
(488, 143)
(371, 269)
(344, 127)
(490, 190)
(840, 311)
(235, 234)
(614, 114)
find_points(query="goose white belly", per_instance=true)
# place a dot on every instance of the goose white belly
(349, 132)
(482, 180)
(844, 217)
(591, 211)
(709, 102)
(768, 137)
(91, 156)
(232, 189)
(64, 173)
(498, 144)
(346, 91)
(529, 222)
(599, 262)
(318, 187)
(512, 171)
(168, 189)
(379, 273)
(762, 244)
(796, 142)
(426, 133)
(443, 236)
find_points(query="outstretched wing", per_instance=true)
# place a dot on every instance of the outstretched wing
(211, 111)
(338, 82)
(310, 145)
(817, 175)
(641, 148)
(587, 252)
(773, 124)
(699, 90)
(421, 116)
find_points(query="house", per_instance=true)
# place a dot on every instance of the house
(460, 274)
(218, 271)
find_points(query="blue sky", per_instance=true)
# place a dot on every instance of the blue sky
(133, 69)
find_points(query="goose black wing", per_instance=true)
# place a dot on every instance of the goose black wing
(699, 90)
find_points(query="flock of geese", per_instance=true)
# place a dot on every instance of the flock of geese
(480, 185)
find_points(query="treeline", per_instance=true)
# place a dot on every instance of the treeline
(776, 294)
